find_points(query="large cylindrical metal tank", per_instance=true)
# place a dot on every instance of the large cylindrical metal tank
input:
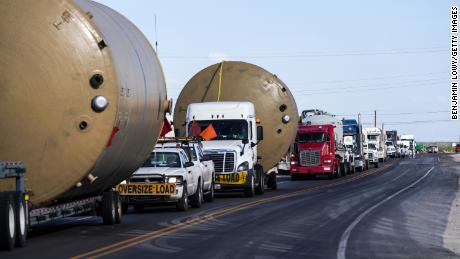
(242, 81)
(61, 63)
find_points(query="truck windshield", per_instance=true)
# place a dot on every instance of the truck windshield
(226, 129)
(372, 137)
(163, 159)
(372, 147)
(312, 137)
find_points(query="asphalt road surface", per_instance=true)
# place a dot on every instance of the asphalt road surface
(401, 210)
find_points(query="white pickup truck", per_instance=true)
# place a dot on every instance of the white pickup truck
(194, 150)
(167, 177)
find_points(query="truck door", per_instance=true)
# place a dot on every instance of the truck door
(190, 175)
(208, 168)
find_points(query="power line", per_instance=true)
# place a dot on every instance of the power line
(373, 85)
(323, 54)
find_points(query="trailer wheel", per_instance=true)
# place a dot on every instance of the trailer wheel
(109, 208)
(272, 183)
(118, 207)
(7, 221)
(261, 187)
(21, 219)
(367, 165)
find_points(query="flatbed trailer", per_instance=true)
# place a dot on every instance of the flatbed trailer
(18, 215)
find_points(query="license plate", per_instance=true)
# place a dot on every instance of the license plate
(146, 189)
(233, 178)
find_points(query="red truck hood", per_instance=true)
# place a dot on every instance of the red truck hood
(313, 146)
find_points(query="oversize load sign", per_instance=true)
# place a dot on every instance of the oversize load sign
(233, 178)
(146, 189)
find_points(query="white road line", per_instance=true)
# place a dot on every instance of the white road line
(344, 239)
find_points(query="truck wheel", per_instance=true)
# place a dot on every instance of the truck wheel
(109, 208)
(197, 197)
(260, 189)
(7, 221)
(209, 196)
(21, 219)
(342, 169)
(124, 208)
(182, 204)
(367, 165)
(272, 183)
(360, 169)
(250, 191)
(338, 172)
(118, 207)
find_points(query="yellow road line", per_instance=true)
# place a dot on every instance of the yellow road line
(115, 247)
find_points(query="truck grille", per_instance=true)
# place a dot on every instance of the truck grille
(309, 157)
(370, 155)
(150, 179)
(223, 162)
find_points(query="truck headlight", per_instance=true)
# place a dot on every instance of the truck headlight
(327, 161)
(243, 167)
(123, 182)
(175, 179)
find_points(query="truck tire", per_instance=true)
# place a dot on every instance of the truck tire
(260, 189)
(209, 196)
(360, 169)
(272, 183)
(182, 204)
(338, 172)
(250, 191)
(124, 208)
(7, 221)
(197, 198)
(109, 208)
(21, 219)
(118, 207)
(343, 171)
(367, 165)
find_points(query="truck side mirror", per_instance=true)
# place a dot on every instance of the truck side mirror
(188, 164)
(260, 133)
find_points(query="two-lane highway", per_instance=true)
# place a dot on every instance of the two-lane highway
(399, 210)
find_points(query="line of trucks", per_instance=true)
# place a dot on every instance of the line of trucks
(80, 134)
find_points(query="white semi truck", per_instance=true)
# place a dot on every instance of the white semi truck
(234, 148)
(374, 146)
(409, 141)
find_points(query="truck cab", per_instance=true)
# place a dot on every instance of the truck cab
(233, 148)
(315, 152)
(353, 140)
(376, 141)
(409, 141)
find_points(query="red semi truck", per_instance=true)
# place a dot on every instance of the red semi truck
(316, 152)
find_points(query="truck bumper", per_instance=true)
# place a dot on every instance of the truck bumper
(153, 199)
(323, 169)
(233, 181)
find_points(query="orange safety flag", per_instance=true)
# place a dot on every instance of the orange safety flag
(195, 130)
(209, 133)
(166, 127)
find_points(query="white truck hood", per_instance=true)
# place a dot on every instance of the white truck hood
(224, 145)
(158, 170)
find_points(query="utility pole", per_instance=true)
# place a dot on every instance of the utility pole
(375, 118)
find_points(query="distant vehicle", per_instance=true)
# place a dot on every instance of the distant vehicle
(409, 141)
(167, 177)
(391, 150)
(419, 148)
(353, 140)
(392, 135)
(376, 140)
(432, 149)
(457, 148)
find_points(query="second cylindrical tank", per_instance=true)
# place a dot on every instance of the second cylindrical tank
(239, 81)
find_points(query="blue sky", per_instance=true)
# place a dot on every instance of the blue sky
(344, 57)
